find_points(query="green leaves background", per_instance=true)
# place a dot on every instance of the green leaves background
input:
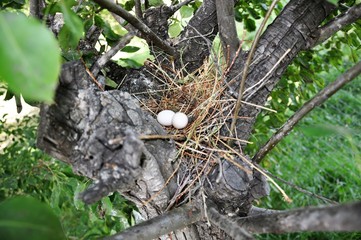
(30, 57)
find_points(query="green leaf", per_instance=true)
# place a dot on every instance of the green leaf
(249, 24)
(127, 62)
(237, 15)
(334, 2)
(253, 13)
(66, 39)
(129, 5)
(186, 11)
(130, 49)
(27, 218)
(175, 29)
(110, 83)
(73, 24)
(29, 56)
(155, 2)
(108, 32)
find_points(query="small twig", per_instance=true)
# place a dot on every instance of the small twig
(205, 206)
(234, 58)
(102, 61)
(120, 140)
(254, 211)
(261, 82)
(91, 75)
(247, 64)
(259, 106)
(179, 5)
(144, 29)
(301, 189)
(317, 100)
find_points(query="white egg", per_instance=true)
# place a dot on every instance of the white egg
(180, 120)
(165, 117)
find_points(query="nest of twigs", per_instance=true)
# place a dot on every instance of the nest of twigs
(201, 145)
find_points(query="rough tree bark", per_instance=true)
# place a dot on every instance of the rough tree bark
(98, 132)
(289, 31)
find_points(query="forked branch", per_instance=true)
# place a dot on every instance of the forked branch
(317, 100)
(144, 29)
(102, 61)
(329, 29)
(227, 28)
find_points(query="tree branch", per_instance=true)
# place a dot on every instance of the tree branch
(227, 28)
(144, 29)
(317, 100)
(138, 9)
(171, 221)
(226, 223)
(254, 211)
(102, 61)
(326, 31)
(179, 5)
(346, 217)
(36, 8)
(326, 200)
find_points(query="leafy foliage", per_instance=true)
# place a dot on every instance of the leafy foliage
(29, 67)
(27, 218)
(25, 170)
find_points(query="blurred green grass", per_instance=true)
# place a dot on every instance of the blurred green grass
(321, 155)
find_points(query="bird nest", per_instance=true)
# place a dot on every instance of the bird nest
(201, 145)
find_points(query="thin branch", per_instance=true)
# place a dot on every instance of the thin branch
(301, 189)
(323, 33)
(36, 7)
(144, 29)
(102, 61)
(173, 220)
(138, 9)
(226, 223)
(255, 211)
(227, 28)
(317, 100)
(346, 217)
(247, 64)
(179, 5)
